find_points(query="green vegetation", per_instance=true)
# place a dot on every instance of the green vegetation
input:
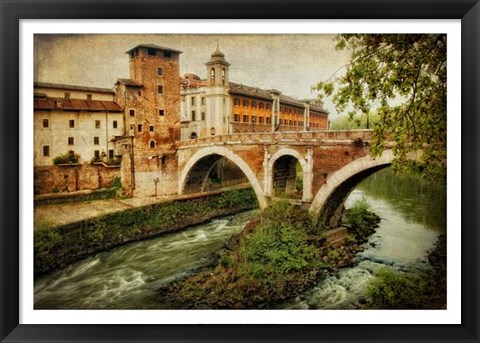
(68, 158)
(360, 221)
(411, 290)
(270, 260)
(403, 78)
(59, 246)
(277, 256)
(366, 121)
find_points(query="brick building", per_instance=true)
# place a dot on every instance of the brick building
(141, 118)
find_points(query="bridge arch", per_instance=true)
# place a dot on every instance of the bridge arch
(270, 174)
(330, 199)
(210, 155)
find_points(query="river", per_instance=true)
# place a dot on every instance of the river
(127, 277)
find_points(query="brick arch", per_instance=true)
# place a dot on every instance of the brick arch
(294, 153)
(221, 151)
(330, 199)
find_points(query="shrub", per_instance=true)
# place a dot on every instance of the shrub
(396, 290)
(69, 157)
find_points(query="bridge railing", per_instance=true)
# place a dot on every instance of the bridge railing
(293, 136)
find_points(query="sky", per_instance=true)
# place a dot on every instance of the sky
(291, 63)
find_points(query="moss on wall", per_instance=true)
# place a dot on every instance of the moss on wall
(57, 247)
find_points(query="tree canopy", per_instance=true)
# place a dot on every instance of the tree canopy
(402, 78)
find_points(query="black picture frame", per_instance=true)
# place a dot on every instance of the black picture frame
(12, 11)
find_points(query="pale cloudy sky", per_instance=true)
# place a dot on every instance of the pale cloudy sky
(290, 63)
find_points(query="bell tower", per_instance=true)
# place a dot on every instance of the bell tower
(217, 69)
(218, 99)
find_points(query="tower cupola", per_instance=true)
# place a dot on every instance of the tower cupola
(217, 69)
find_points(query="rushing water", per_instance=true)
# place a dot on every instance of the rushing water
(412, 213)
(128, 276)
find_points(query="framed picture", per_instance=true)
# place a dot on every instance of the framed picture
(128, 146)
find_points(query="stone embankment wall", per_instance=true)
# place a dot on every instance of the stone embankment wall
(56, 247)
(75, 177)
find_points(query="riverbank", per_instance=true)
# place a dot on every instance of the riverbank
(276, 257)
(57, 246)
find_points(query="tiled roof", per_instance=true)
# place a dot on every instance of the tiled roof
(236, 88)
(72, 87)
(153, 46)
(129, 82)
(76, 105)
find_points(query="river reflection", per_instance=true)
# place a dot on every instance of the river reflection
(413, 216)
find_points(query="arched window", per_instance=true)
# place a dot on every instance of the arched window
(193, 135)
(152, 144)
(212, 75)
(223, 76)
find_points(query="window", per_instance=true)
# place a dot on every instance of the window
(193, 135)
(71, 123)
(132, 113)
(260, 120)
(115, 124)
(160, 89)
(203, 115)
(212, 75)
(236, 117)
(193, 116)
(151, 52)
(160, 71)
(267, 106)
(89, 97)
(193, 100)
(46, 150)
(290, 123)
(245, 118)
(254, 119)
(97, 124)
(45, 123)
(254, 104)
(110, 154)
(280, 121)
(245, 103)
(161, 112)
(152, 128)
(152, 144)
(260, 105)
(66, 95)
(223, 76)
(139, 127)
(96, 153)
(236, 102)
(96, 140)
(203, 100)
(70, 141)
(167, 54)
(139, 93)
(269, 121)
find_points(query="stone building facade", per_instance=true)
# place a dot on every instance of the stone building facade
(141, 118)
(84, 120)
(217, 106)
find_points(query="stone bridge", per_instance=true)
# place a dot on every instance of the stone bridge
(331, 163)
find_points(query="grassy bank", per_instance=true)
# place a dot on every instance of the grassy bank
(56, 247)
(412, 290)
(276, 257)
